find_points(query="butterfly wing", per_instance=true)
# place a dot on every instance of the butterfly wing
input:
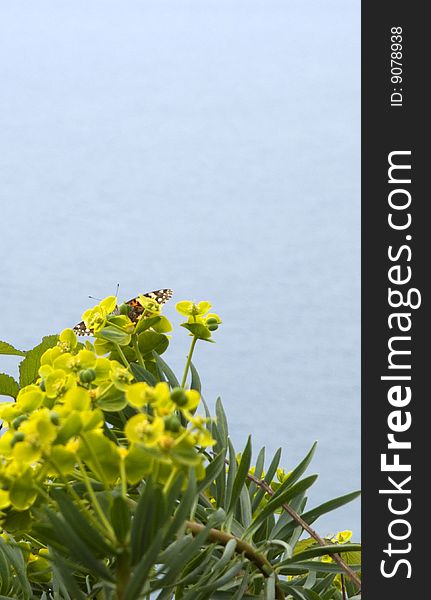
(137, 310)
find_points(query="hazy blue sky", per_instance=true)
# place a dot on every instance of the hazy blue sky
(210, 146)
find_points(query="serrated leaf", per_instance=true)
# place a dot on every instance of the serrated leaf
(8, 386)
(6, 348)
(28, 369)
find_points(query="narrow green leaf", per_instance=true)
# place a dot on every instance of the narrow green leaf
(231, 474)
(313, 514)
(241, 476)
(8, 386)
(212, 471)
(120, 518)
(278, 499)
(64, 574)
(195, 383)
(184, 507)
(221, 420)
(148, 519)
(142, 374)
(322, 551)
(80, 524)
(299, 469)
(28, 369)
(165, 368)
(6, 348)
(260, 463)
(268, 478)
(140, 572)
(16, 559)
(79, 551)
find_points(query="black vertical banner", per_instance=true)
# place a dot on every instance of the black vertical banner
(396, 435)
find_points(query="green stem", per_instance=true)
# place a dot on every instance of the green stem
(96, 461)
(170, 481)
(98, 509)
(137, 351)
(76, 497)
(189, 360)
(123, 479)
(122, 355)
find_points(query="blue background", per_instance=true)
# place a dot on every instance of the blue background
(208, 146)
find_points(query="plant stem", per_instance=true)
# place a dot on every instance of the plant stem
(137, 351)
(97, 507)
(122, 355)
(189, 360)
(242, 547)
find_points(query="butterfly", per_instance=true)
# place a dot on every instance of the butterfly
(136, 310)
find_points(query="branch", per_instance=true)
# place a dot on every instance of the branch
(242, 547)
(296, 517)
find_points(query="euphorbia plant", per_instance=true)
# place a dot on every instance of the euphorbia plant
(117, 483)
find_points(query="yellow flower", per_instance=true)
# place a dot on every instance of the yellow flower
(140, 429)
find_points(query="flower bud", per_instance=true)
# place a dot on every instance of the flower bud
(178, 396)
(212, 326)
(172, 423)
(54, 416)
(17, 422)
(87, 375)
(18, 437)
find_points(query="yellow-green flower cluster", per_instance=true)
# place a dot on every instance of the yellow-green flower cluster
(58, 425)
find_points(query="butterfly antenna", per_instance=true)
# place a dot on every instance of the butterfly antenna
(93, 298)
(118, 289)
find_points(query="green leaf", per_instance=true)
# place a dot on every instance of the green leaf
(115, 335)
(28, 369)
(120, 518)
(142, 569)
(322, 551)
(147, 521)
(313, 514)
(212, 471)
(16, 559)
(167, 371)
(144, 324)
(221, 421)
(66, 579)
(151, 341)
(8, 386)
(6, 348)
(198, 330)
(241, 476)
(79, 551)
(184, 507)
(86, 532)
(281, 498)
(142, 374)
(268, 478)
(112, 399)
(300, 469)
(195, 382)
